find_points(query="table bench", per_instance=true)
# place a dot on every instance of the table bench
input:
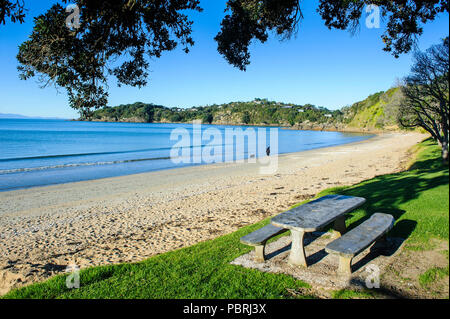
(358, 239)
(314, 216)
(259, 238)
(309, 217)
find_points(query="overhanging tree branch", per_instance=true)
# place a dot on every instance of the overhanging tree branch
(426, 102)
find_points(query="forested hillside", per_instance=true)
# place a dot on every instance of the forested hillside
(377, 112)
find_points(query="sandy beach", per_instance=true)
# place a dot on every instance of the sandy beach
(130, 218)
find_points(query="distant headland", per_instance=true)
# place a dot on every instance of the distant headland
(378, 112)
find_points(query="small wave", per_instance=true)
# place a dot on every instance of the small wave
(97, 153)
(81, 154)
(31, 169)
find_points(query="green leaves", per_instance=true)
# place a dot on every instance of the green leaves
(14, 10)
(427, 94)
(251, 20)
(115, 38)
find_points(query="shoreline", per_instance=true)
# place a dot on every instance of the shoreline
(283, 127)
(130, 218)
(366, 136)
(184, 167)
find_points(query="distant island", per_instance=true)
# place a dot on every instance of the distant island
(377, 112)
(19, 116)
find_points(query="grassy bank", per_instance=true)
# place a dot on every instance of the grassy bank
(417, 198)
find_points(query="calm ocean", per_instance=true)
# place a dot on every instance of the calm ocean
(45, 152)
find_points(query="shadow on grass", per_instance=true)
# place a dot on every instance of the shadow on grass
(387, 249)
(386, 193)
(412, 194)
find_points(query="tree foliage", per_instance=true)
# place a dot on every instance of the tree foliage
(426, 91)
(250, 20)
(254, 112)
(208, 118)
(246, 117)
(120, 37)
(14, 10)
(114, 38)
(404, 18)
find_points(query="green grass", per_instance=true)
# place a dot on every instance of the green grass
(417, 198)
(432, 275)
(351, 294)
(200, 271)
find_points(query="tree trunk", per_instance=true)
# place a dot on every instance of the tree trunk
(445, 151)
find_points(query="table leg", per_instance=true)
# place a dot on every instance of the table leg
(345, 266)
(297, 256)
(259, 253)
(339, 227)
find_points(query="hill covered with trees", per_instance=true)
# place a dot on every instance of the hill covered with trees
(377, 112)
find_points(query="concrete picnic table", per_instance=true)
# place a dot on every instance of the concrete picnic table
(314, 216)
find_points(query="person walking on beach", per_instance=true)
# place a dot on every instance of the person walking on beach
(268, 151)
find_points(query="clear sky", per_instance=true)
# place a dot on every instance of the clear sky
(318, 66)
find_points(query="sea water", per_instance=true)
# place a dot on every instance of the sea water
(36, 152)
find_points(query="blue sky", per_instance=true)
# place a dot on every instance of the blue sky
(318, 66)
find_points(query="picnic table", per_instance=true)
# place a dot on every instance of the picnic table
(314, 216)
